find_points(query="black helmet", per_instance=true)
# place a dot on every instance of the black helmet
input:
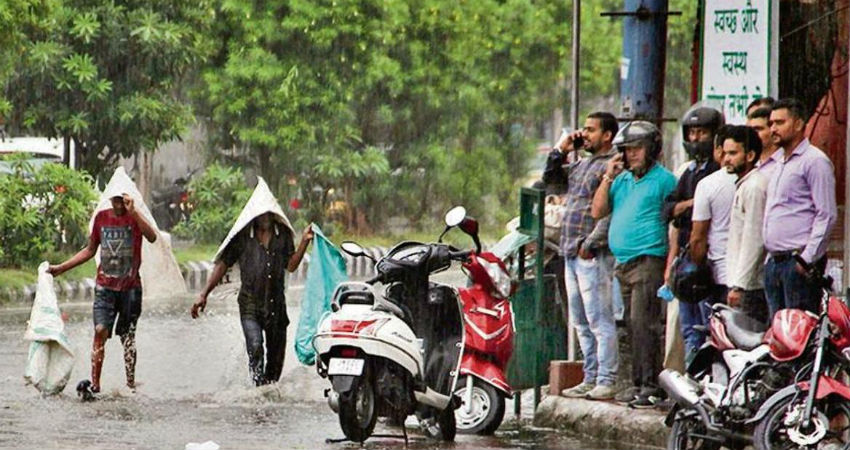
(703, 116)
(639, 132)
(689, 281)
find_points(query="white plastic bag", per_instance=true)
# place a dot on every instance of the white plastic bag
(50, 359)
(209, 445)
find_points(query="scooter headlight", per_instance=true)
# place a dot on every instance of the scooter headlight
(501, 279)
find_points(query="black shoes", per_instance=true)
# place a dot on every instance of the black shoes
(648, 397)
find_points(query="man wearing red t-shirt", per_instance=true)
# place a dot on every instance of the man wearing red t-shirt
(118, 288)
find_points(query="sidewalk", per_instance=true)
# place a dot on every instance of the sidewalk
(195, 274)
(606, 421)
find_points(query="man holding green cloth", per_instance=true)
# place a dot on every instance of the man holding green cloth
(261, 242)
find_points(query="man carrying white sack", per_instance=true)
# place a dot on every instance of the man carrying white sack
(117, 232)
(261, 241)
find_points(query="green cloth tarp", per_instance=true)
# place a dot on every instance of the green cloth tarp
(325, 271)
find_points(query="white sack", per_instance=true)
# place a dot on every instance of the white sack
(50, 359)
(161, 276)
(261, 202)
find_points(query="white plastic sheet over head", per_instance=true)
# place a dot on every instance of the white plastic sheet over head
(161, 276)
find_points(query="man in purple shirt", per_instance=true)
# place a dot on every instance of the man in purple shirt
(800, 211)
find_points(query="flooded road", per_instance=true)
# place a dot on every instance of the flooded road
(194, 386)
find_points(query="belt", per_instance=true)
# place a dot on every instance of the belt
(783, 256)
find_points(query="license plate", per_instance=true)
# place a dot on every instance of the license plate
(345, 366)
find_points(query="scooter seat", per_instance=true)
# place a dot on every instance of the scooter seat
(382, 304)
(744, 331)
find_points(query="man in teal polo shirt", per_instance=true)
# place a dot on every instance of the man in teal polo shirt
(638, 239)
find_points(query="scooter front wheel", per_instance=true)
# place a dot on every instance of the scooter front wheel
(484, 413)
(357, 410)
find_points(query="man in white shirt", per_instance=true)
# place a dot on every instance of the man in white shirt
(712, 207)
(745, 248)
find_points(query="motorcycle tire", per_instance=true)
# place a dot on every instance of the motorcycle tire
(358, 410)
(774, 433)
(487, 410)
(680, 438)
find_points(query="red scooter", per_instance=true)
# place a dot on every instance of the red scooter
(489, 344)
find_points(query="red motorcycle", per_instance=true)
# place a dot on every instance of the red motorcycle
(744, 386)
(489, 344)
(815, 413)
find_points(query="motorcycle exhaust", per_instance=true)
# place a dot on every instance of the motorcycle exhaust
(333, 399)
(686, 392)
(682, 389)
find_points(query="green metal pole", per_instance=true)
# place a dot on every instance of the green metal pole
(521, 276)
(539, 288)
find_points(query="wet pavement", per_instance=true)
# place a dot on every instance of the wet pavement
(194, 387)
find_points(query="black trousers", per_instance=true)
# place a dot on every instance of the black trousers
(264, 362)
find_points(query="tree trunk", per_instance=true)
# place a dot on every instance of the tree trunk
(144, 181)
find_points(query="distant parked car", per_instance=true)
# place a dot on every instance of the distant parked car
(39, 151)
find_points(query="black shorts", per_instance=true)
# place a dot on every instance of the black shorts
(126, 305)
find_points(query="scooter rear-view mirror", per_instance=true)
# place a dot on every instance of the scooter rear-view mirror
(455, 216)
(352, 248)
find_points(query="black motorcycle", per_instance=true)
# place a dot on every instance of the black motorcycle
(171, 205)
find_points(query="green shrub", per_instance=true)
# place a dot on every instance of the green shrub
(218, 196)
(42, 210)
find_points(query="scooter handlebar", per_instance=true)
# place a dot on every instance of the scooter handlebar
(375, 279)
(462, 255)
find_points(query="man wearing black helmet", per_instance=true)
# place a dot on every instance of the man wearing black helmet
(699, 127)
(638, 239)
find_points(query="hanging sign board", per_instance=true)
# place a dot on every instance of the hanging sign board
(735, 55)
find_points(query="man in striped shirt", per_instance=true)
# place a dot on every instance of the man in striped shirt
(588, 261)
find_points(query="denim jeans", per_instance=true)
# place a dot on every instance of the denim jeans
(589, 298)
(693, 314)
(616, 298)
(265, 366)
(785, 288)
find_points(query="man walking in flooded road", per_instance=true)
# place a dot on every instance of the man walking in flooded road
(261, 242)
(118, 287)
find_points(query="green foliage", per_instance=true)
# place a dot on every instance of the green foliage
(42, 210)
(341, 93)
(107, 75)
(399, 108)
(218, 195)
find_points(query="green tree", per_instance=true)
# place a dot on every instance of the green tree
(107, 75)
(343, 92)
(42, 210)
(218, 195)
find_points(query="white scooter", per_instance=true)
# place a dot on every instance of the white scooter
(399, 353)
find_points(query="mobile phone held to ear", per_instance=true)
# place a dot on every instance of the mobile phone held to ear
(578, 142)
(623, 158)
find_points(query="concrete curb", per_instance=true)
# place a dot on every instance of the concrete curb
(603, 421)
(195, 274)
